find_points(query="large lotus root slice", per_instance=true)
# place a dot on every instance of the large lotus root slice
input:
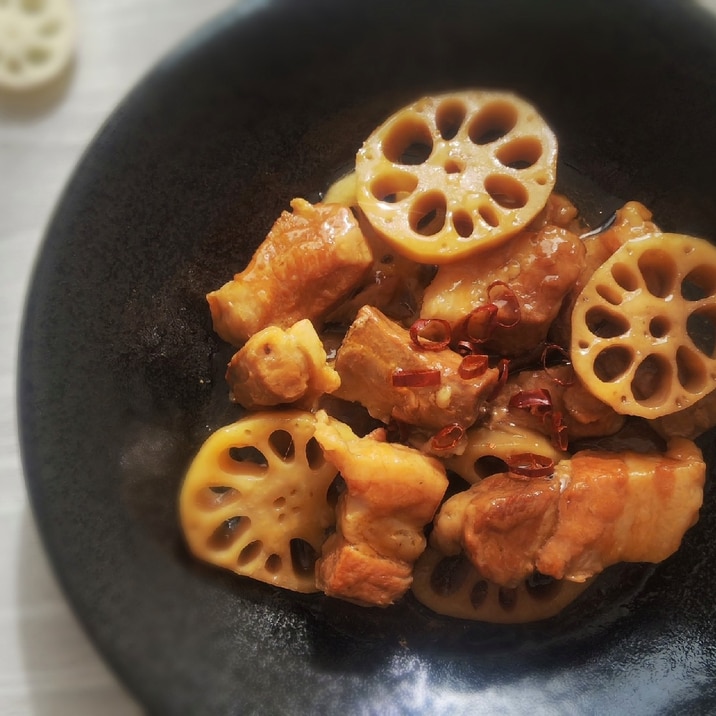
(453, 174)
(450, 585)
(644, 326)
(255, 499)
(37, 41)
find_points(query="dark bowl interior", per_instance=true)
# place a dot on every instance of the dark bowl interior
(121, 376)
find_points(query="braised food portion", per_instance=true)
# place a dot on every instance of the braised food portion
(375, 348)
(392, 492)
(278, 366)
(583, 414)
(539, 267)
(598, 509)
(311, 259)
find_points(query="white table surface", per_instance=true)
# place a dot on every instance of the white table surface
(47, 665)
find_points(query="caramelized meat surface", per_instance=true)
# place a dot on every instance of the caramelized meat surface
(392, 492)
(311, 259)
(583, 415)
(540, 267)
(375, 347)
(598, 509)
(277, 366)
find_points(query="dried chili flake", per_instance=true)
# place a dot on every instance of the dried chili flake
(420, 378)
(503, 368)
(431, 334)
(537, 401)
(448, 437)
(480, 323)
(473, 366)
(528, 464)
(558, 430)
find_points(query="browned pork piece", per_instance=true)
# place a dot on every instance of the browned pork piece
(540, 268)
(311, 259)
(583, 414)
(375, 348)
(277, 366)
(598, 509)
(392, 492)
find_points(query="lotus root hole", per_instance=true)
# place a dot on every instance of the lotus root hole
(489, 215)
(408, 142)
(652, 380)
(228, 532)
(211, 498)
(699, 283)
(659, 326)
(462, 223)
(454, 166)
(625, 277)
(690, 370)
(314, 455)
(492, 122)
(612, 362)
(449, 118)
(37, 55)
(701, 329)
(281, 442)
(520, 153)
(250, 553)
(392, 187)
(237, 459)
(609, 293)
(542, 588)
(33, 6)
(478, 594)
(273, 564)
(427, 214)
(507, 598)
(303, 556)
(605, 323)
(506, 191)
(489, 465)
(449, 575)
(659, 271)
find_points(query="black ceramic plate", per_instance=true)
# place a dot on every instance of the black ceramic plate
(120, 375)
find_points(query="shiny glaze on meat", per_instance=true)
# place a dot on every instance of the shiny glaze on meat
(311, 259)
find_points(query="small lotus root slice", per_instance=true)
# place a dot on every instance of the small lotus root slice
(644, 326)
(488, 450)
(37, 41)
(453, 174)
(255, 499)
(450, 585)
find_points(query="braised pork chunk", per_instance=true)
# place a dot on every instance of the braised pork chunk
(540, 267)
(598, 509)
(375, 348)
(392, 492)
(276, 367)
(311, 259)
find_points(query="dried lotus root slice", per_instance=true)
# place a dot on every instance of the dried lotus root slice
(451, 586)
(255, 499)
(644, 326)
(456, 173)
(37, 41)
